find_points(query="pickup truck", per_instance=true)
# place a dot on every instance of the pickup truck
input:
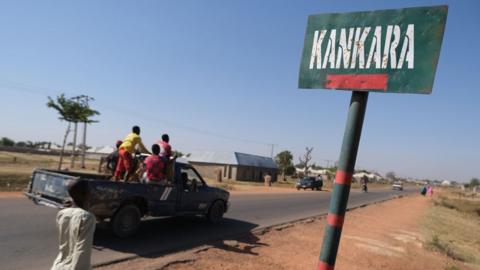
(310, 182)
(123, 204)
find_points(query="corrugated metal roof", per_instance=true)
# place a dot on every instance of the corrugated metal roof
(213, 157)
(255, 161)
(233, 158)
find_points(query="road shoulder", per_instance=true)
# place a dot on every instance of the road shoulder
(379, 236)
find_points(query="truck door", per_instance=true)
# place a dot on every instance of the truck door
(162, 198)
(193, 198)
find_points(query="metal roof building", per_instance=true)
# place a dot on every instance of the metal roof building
(233, 165)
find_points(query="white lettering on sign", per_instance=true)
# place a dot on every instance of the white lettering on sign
(351, 53)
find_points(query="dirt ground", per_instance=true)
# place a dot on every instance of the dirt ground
(380, 236)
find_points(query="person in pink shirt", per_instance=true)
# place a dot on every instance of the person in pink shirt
(430, 191)
(166, 149)
(155, 166)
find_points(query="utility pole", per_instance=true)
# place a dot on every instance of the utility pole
(271, 151)
(84, 143)
(75, 125)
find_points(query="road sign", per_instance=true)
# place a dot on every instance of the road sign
(389, 51)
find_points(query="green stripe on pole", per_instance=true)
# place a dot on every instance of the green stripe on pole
(348, 156)
(331, 241)
(338, 204)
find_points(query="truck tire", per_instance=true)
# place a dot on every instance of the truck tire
(216, 211)
(126, 221)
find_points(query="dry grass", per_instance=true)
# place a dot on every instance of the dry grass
(452, 227)
(16, 168)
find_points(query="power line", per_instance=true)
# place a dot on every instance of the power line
(46, 91)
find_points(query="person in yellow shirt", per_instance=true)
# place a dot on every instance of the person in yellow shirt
(125, 151)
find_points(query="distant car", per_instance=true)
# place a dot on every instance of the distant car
(397, 186)
(310, 182)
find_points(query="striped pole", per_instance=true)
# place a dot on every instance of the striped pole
(343, 179)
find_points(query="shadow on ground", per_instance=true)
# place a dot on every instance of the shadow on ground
(160, 236)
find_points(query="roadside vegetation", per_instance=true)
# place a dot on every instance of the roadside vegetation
(16, 168)
(452, 227)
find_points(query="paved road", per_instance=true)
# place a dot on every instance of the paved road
(28, 238)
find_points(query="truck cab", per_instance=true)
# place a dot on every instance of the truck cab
(124, 204)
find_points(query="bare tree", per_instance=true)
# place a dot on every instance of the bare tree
(305, 160)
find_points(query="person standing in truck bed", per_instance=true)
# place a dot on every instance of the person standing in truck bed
(112, 159)
(127, 148)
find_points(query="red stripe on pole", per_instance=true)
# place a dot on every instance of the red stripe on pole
(357, 81)
(324, 266)
(334, 220)
(343, 178)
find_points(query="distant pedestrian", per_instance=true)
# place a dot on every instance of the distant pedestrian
(423, 191)
(268, 180)
(430, 191)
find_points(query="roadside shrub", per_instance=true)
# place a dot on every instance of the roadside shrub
(13, 182)
(461, 205)
(437, 245)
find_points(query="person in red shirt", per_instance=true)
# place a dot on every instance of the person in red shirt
(154, 165)
(166, 151)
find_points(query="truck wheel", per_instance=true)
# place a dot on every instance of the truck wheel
(126, 221)
(216, 211)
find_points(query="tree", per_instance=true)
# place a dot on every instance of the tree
(284, 162)
(21, 144)
(7, 142)
(179, 154)
(474, 182)
(305, 160)
(85, 115)
(391, 175)
(70, 111)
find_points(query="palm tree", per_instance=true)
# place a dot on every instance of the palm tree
(71, 111)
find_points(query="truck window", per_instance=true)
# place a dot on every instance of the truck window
(190, 177)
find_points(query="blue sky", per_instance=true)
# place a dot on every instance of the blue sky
(222, 76)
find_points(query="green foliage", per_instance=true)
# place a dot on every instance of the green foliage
(179, 154)
(391, 175)
(284, 162)
(7, 142)
(71, 110)
(474, 182)
(290, 170)
(316, 167)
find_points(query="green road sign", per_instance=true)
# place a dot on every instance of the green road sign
(392, 51)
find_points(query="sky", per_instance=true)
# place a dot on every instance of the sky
(223, 76)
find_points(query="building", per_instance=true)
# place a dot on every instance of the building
(372, 177)
(233, 166)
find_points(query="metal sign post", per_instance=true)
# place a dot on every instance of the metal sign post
(343, 179)
(386, 51)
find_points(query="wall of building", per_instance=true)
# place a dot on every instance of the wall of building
(234, 172)
(209, 170)
(255, 174)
